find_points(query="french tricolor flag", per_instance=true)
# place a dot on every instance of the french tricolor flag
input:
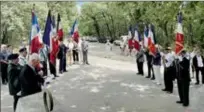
(151, 41)
(50, 37)
(137, 39)
(59, 28)
(130, 38)
(179, 35)
(146, 33)
(35, 38)
(74, 32)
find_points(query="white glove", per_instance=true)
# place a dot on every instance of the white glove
(180, 58)
(40, 72)
(41, 66)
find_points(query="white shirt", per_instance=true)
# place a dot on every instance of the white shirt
(22, 60)
(192, 54)
(200, 61)
(70, 45)
(170, 58)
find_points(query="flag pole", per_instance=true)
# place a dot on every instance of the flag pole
(33, 8)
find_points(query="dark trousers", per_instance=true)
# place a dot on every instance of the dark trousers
(75, 55)
(62, 66)
(53, 69)
(183, 90)
(199, 69)
(85, 57)
(150, 68)
(4, 73)
(15, 102)
(193, 70)
(44, 69)
(140, 67)
(168, 79)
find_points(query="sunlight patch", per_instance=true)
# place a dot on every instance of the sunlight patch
(94, 90)
(136, 87)
(73, 106)
(104, 108)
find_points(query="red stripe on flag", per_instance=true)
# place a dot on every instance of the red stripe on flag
(60, 34)
(179, 43)
(137, 45)
(35, 45)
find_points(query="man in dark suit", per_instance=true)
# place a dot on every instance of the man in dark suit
(31, 81)
(198, 63)
(13, 78)
(149, 65)
(183, 78)
(62, 57)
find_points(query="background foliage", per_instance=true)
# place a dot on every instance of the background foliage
(106, 19)
(16, 18)
(112, 19)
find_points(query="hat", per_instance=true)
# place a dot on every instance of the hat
(22, 49)
(13, 56)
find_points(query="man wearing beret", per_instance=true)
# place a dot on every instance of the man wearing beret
(22, 57)
(13, 77)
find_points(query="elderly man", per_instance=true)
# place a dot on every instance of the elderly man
(13, 77)
(85, 47)
(22, 57)
(31, 81)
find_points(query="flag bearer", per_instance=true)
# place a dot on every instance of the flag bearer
(183, 78)
(168, 60)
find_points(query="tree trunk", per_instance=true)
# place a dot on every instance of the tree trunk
(5, 36)
(114, 32)
(96, 25)
(110, 33)
(166, 31)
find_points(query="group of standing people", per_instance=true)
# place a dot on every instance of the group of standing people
(26, 74)
(176, 67)
(24, 77)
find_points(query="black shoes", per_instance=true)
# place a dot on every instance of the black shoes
(152, 78)
(147, 76)
(170, 92)
(164, 90)
(179, 102)
(196, 83)
(185, 105)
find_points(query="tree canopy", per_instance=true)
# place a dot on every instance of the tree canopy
(106, 19)
(112, 19)
(16, 18)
